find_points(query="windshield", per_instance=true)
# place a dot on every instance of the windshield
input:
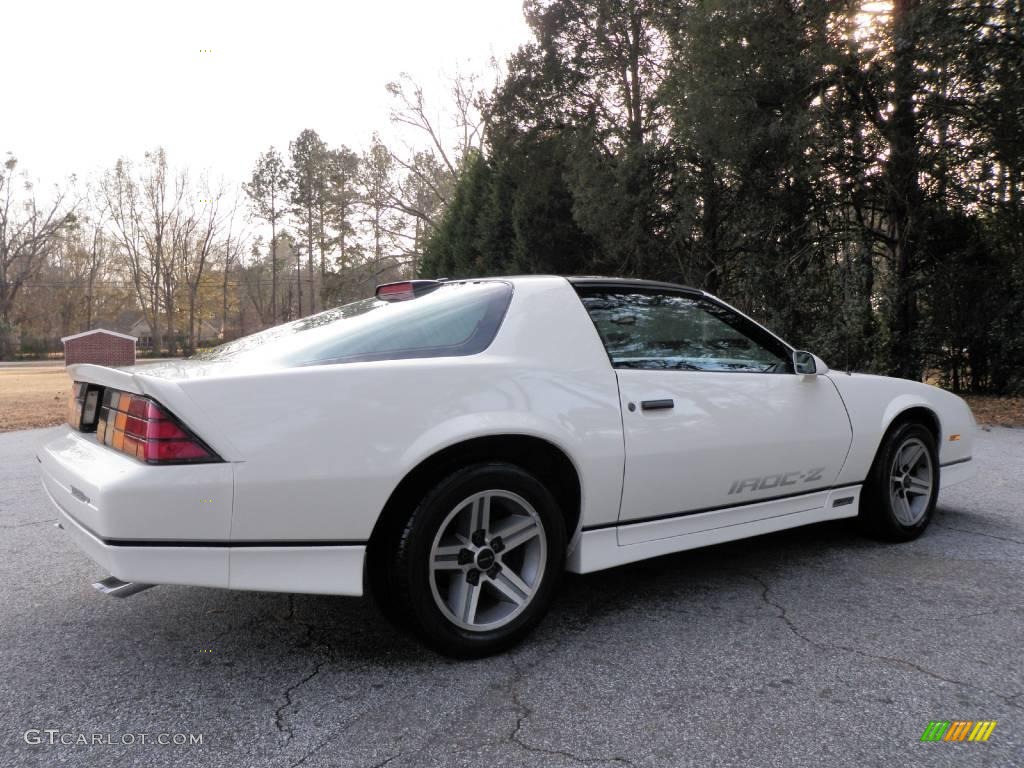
(455, 319)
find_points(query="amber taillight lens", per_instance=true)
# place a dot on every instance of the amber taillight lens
(141, 428)
(75, 406)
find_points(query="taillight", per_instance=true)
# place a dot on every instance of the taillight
(139, 427)
(83, 406)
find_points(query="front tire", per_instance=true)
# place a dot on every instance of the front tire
(478, 562)
(903, 486)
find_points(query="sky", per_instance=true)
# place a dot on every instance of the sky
(217, 82)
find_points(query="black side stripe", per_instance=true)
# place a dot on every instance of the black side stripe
(688, 513)
(958, 461)
(207, 543)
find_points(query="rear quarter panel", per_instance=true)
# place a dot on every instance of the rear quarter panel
(322, 448)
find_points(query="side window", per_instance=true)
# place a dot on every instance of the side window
(660, 330)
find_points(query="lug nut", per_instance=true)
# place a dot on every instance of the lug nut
(473, 576)
(493, 571)
(465, 556)
(497, 545)
(479, 537)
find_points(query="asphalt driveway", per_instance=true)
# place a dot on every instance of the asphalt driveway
(812, 647)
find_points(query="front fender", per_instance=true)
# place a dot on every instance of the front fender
(901, 404)
(875, 402)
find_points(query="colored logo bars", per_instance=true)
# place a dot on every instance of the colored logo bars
(958, 730)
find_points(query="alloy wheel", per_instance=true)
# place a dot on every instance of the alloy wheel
(911, 481)
(487, 560)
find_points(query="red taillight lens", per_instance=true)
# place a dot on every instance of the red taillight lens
(139, 427)
(156, 429)
(173, 450)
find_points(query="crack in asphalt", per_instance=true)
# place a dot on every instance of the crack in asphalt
(526, 712)
(302, 760)
(311, 752)
(979, 533)
(333, 738)
(284, 729)
(829, 646)
(232, 628)
(385, 762)
(25, 525)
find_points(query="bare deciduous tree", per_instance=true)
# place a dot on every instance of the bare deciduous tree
(197, 229)
(141, 208)
(29, 234)
(428, 175)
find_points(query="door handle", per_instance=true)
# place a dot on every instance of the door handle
(657, 405)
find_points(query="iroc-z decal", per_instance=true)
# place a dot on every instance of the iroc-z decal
(776, 481)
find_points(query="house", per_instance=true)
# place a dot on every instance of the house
(134, 323)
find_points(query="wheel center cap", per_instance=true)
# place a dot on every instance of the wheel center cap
(485, 558)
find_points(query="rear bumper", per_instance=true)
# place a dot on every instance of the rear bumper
(118, 497)
(328, 570)
(196, 566)
(172, 525)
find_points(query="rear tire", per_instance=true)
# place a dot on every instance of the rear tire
(478, 562)
(903, 486)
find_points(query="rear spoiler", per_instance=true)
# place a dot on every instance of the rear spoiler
(168, 393)
(114, 378)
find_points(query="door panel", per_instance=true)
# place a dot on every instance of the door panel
(728, 439)
(713, 412)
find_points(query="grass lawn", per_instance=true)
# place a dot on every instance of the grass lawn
(33, 397)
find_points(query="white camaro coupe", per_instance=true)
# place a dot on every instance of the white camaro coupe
(453, 446)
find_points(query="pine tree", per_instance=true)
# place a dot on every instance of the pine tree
(267, 190)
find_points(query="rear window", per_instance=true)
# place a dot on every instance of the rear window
(453, 320)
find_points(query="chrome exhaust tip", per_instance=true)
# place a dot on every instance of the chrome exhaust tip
(114, 587)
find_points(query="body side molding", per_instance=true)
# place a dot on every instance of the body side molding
(611, 546)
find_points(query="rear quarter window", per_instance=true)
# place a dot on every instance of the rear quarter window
(456, 319)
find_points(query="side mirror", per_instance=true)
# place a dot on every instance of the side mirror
(806, 364)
